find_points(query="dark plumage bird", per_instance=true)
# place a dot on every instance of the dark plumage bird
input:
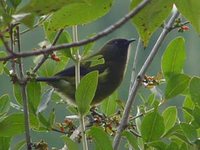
(111, 72)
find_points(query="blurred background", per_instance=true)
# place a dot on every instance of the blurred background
(31, 39)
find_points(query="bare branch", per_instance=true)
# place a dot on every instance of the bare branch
(12, 47)
(140, 76)
(101, 34)
(23, 83)
(135, 61)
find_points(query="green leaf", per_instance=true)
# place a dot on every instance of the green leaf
(34, 95)
(7, 18)
(14, 124)
(183, 146)
(2, 64)
(194, 89)
(172, 146)
(46, 97)
(193, 15)
(96, 60)
(101, 138)
(20, 145)
(188, 105)
(28, 20)
(176, 85)
(174, 57)
(71, 145)
(52, 118)
(13, 3)
(175, 129)
(189, 131)
(44, 121)
(79, 13)
(46, 6)
(180, 135)
(188, 110)
(132, 140)
(17, 93)
(86, 91)
(109, 105)
(88, 48)
(169, 116)
(4, 105)
(196, 114)
(5, 143)
(151, 99)
(152, 127)
(187, 117)
(151, 17)
(159, 145)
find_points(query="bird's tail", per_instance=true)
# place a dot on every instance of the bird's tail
(46, 79)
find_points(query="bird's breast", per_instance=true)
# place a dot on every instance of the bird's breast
(109, 81)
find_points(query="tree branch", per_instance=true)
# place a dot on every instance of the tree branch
(12, 46)
(23, 83)
(139, 79)
(135, 61)
(101, 34)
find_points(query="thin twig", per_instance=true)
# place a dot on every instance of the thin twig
(12, 47)
(135, 61)
(180, 25)
(45, 56)
(135, 133)
(140, 76)
(78, 58)
(23, 84)
(57, 37)
(56, 130)
(101, 34)
(5, 43)
(148, 111)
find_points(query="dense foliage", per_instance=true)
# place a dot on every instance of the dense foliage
(149, 128)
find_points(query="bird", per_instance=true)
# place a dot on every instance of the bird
(111, 72)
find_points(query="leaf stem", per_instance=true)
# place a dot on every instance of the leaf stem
(77, 81)
(77, 56)
(84, 138)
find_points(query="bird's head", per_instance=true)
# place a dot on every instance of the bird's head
(116, 49)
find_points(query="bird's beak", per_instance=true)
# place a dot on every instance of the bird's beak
(131, 40)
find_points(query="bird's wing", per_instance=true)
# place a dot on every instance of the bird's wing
(68, 74)
(85, 68)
